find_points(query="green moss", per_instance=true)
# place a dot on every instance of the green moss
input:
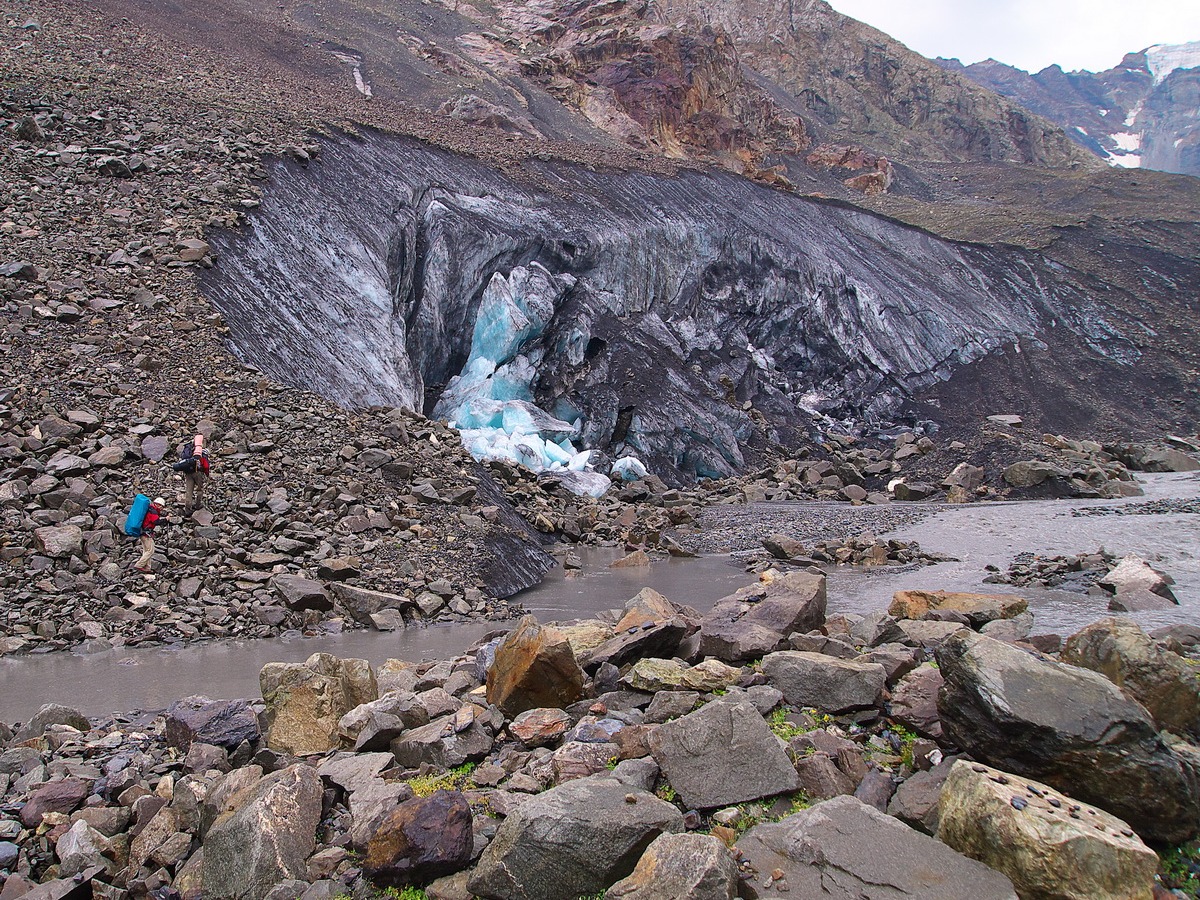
(457, 779)
(1179, 868)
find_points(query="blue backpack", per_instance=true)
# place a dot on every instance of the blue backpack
(137, 515)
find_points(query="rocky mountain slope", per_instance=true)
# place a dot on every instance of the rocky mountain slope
(1143, 112)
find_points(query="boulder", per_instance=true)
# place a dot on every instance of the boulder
(61, 796)
(374, 725)
(50, 714)
(680, 867)
(221, 723)
(783, 547)
(915, 802)
(824, 682)
(1030, 473)
(1135, 574)
(1011, 630)
(929, 633)
(653, 675)
(305, 701)
(82, 847)
(1071, 728)
(266, 838)
(585, 636)
(370, 803)
(447, 742)
(661, 640)
(1045, 842)
(299, 593)
(572, 841)
(534, 667)
(979, 609)
(723, 753)
(647, 607)
(539, 727)
(914, 701)
(758, 619)
(422, 838)
(354, 771)
(842, 849)
(59, 541)
(361, 604)
(1160, 680)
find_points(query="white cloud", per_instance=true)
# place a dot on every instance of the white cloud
(1032, 34)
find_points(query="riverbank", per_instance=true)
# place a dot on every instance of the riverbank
(899, 744)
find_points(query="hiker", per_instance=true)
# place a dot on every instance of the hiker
(194, 466)
(146, 538)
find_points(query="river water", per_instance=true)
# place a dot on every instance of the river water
(976, 535)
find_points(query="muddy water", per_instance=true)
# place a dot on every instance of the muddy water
(978, 535)
(993, 533)
(128, 679)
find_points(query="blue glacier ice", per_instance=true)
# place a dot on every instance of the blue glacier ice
(491, 400)
(629, 468)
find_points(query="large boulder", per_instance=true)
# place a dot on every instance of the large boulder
(843, 849)
(449, 741)
(59, 541)
(645, 608)
(978, 609)
(62, 796)
(1133, 574)
(1160, 680)
(362, 603)
(680, 867)
(572, 841)
(914, 701)
(50, 714)
(723, 753)
(222, 723)
(305, 701)
(1071, 728)
(1048, 844)
(267, 838)
(824, 682)
(534, 667)
(758, 619)
(651, 675)
(657, 640)
(374, 725)
(422, 838)
(300, 593)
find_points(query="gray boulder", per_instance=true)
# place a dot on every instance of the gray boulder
(824, 682)
(572, 841)
(221, 723)
(59, 541)
(266, 839)
(680, 867)
(721, 754)
(1070, 728)
(299, 592)
(50, 714)
(1160, 680)
(758, 618)
(843, 849)
(447, 742)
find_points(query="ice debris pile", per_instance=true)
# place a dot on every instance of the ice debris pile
(491, 400)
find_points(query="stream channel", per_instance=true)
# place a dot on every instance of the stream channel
(1163, 527)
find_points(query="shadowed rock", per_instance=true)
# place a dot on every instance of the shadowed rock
(572, 841)
(423, 838)
(1071, 728)
(843, 849)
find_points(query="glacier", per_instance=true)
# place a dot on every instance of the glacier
(491, 401)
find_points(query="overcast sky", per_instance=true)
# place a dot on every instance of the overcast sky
(1031, 34)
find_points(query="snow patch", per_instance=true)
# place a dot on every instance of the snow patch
(1127, 141)
(1163, 59)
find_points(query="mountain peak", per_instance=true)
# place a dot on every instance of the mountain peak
(1163, 59)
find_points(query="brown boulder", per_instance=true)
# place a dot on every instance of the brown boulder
(979, 609)
(422, 838)
(534, 667)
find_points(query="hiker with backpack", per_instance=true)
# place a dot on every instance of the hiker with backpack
(142, 520)
(194, 466)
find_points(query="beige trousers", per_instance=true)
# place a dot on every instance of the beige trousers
(146, 542)
(193, 489)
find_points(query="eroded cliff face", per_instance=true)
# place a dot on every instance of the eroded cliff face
(689, 320)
